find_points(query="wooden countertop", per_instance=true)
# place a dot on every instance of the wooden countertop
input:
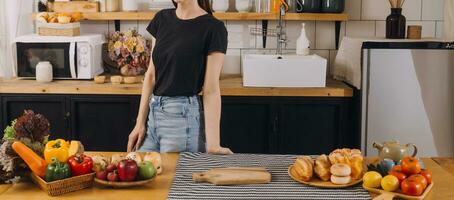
(230, 86)
(159, 188)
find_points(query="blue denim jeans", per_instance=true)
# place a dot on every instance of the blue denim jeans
(175, 124)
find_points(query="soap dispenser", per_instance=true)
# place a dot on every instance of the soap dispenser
(303, 44)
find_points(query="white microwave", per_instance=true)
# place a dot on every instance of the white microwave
(77, 57)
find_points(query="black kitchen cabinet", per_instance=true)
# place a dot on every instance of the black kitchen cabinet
(54, 108)
(274, 125)
(288, 125)
(244, 125)
(100, 122)
(103, 123)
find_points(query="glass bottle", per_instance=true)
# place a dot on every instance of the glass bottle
(395, 24)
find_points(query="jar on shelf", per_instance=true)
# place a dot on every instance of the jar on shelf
(243, 6)
(308, 6)
(333, 6)
(220, 6)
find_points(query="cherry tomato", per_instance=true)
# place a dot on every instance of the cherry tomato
(397, 172)
(412, 187)
(410, 166)
(419, 178)
(428, 175)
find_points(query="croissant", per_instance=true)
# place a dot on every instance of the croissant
(322, 167)
(304, 167)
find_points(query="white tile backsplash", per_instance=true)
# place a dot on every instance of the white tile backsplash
(232, 63)
(353, 8)
(374, 9)
(94, 27)
(325, 35)
(439, 29)
(412, 9)
(143, 29)
(432, 9)
(380, 29)
(360, 28)
(239, 34)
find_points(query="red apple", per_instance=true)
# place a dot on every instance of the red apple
(112, 176)
(127, 170)
(111, 168)
(101, 175)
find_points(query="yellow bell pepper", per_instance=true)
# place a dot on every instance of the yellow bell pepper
(56, 149)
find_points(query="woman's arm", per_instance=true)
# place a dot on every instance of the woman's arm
(212, 104)
(137, 135)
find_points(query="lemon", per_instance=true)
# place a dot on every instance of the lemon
(372, 179)
(390, 183)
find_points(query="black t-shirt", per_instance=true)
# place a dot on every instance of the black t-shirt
(181, 50)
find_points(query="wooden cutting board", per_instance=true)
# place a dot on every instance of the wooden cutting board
(233, 176)
(384, 195)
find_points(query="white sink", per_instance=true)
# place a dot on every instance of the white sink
(284, 71)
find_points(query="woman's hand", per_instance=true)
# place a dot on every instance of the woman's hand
(136, 138)
(219, 150)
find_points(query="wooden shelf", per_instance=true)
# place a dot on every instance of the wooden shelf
(142, 16)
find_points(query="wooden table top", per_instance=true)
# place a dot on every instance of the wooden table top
(159, 188)
(231, 85)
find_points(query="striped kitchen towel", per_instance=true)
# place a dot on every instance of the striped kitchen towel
(281, 186)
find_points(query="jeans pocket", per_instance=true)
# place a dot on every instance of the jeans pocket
(174, 109)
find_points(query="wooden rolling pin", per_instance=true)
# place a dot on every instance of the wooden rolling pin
(233, 176)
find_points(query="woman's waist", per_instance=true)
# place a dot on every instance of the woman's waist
(194, 100)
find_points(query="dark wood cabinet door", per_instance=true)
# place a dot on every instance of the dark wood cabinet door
(245, 125)
(311, 127)
(103, 123)
(51, 106)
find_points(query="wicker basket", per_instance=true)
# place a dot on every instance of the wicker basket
(55, 29)
(64, 186)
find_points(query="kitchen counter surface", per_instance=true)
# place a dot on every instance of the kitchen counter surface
(231, 85)
(159, 188)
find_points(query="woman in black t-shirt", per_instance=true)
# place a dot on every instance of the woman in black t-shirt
(189, 46)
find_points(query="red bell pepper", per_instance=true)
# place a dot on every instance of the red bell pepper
(80, 164)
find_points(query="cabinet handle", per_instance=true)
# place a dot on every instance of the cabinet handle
(67, 115)
(275, 124)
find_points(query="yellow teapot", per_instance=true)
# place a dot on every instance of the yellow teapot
(394, 150)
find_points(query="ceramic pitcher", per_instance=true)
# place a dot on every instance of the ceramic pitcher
(394, 150)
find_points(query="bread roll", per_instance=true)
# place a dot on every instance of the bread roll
(340, 170)
(304, 167)
(340, 180)
(322, 167)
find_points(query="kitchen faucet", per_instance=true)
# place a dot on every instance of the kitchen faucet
(281, 36)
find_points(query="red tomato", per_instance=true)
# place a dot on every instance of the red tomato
(426, 173)
(412, 187)
(419, 178)
(397, 172)
(410, 166)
